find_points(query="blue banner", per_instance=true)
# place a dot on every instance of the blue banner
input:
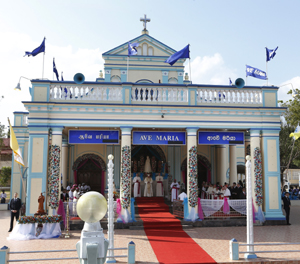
(93, 137)
(256, 73)
(158, 138)
(220, 138)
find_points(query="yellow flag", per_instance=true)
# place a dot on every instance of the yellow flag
(15, 147)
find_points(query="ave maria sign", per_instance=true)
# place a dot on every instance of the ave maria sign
(158, 138)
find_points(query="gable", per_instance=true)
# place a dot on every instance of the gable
(148, 46)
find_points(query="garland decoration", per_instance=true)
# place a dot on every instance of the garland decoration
(258, 177)
(53, 175)
(40, 219)
(135, 166)
(193, 181)
(125, 174)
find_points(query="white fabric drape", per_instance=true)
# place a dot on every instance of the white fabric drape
(209, 206)
(239, 206)
(27, 231)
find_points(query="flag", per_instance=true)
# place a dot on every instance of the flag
(296, 133)
(230, 82)
(55, 70)
(182, 54)
(15, 147)
(132, 48)
(36, 51)
(256, 73)
(271, 53)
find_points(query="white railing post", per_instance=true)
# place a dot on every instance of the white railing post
(110, 214)
(250, 236)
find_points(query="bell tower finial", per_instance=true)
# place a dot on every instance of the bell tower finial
(145, 20)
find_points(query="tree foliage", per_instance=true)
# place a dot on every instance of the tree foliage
(292, 113)
(5, 176)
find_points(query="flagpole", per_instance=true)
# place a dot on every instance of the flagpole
(127, 67)
(267, 73)
(190, 65)
(43, 66)
(21, 174)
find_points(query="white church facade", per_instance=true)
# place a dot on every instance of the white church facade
(150, 109)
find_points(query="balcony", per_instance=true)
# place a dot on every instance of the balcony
(158, 94)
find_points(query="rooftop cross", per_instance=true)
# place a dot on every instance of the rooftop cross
(145, 20)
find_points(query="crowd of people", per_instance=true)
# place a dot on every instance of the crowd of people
(73, 193)
(215, 191)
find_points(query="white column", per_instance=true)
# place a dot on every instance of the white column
(125, 141)
(232, 164)
(57, 140)
(191, 141)
(64, 162)
(221, 164)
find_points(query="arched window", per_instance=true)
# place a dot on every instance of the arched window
(139, 50)
(115, 78)
(145, 48)
(173, 80)
(150, 51)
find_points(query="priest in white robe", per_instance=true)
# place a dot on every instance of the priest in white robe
(148, 192)
(159, 186)
(175, 189)
(137, 186)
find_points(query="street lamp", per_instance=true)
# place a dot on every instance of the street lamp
(18, 87)
(294, 92)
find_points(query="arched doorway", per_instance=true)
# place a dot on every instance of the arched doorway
(90, 169)
(204, 169)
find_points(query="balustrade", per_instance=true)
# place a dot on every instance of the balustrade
(86, 93)
(241, 96)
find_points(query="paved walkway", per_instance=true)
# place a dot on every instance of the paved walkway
(215, 240)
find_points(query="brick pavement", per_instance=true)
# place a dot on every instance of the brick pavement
(215, 240)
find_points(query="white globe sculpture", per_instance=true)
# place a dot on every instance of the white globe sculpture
(91, 207)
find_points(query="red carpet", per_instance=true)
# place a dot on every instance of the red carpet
(167, 238)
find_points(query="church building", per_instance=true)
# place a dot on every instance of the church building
(141, 107)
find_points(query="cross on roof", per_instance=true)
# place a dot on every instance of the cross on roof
(145, 20)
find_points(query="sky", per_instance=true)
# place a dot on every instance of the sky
(224, 36)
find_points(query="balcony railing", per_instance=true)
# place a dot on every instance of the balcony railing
(158, 94)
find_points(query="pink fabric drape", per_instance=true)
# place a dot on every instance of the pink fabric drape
(226, 208)
(61, 211)
(253, 211)
(119, 209)
(200, 211)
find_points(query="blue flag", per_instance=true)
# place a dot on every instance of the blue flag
(271, 53)
(55, 70)
(230, 82)
(36, 51)
(132, 49)
(256, 73)
(182, 54)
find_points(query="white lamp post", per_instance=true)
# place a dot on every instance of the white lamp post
(250, 237)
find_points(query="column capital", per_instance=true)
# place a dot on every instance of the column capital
(126, 130)
(192, 131)
(254, 133)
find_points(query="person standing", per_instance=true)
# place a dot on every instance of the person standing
(287, 206)
(159, 186)
(15, 206)
(175, 188)
(148, 192)
(3, 197)
(137, 186)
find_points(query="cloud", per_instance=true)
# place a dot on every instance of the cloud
(286, 86)
(211, 70)
(67, 59)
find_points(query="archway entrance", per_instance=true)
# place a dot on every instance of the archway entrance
(90, 169)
